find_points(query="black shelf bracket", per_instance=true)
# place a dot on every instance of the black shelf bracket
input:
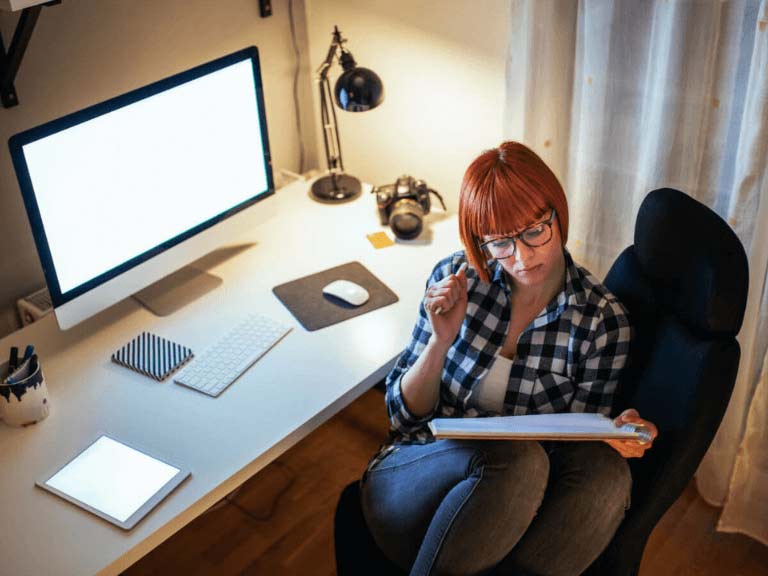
(10, 61)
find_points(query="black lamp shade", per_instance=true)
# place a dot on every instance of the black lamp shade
(359, 89)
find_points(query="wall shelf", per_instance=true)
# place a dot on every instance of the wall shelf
(13, 5)
(10, 61)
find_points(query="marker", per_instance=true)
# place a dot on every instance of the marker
(33, 364)
(462, 267)
(13, 360)
(23, 370)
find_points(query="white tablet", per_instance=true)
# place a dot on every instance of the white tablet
(115, 482)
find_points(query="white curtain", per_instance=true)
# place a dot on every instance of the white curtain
(622, 97)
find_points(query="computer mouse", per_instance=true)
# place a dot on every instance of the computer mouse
(347, 291)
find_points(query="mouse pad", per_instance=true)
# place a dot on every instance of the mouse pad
(305, 299)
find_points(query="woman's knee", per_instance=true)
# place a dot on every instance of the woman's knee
(516, 466)
(600, 473)
(611, 475)
(525, 453)
(401, 494)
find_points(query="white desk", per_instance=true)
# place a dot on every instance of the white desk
(289, 392)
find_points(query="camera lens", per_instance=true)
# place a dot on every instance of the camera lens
(406, 219)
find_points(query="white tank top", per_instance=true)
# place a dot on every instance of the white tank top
(489, 393)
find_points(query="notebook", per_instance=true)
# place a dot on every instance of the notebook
(566, 426)
(152, 356)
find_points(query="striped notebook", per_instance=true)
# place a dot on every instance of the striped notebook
(152, 356)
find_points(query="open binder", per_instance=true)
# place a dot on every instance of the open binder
(567, 426)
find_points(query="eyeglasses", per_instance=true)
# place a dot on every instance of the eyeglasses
(533, 237)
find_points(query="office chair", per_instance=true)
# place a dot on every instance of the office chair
(685, 283)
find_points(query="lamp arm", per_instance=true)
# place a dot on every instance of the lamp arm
(330, 129)
(327, 111)
(336, 43)
(338, 162)
(322, 71)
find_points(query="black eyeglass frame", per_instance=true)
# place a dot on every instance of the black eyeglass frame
(548, 222)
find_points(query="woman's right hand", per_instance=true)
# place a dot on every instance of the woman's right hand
(446, 306)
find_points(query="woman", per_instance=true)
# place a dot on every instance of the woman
(520, 330)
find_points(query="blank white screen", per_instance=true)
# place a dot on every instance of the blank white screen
(120, 184)
(112, 478)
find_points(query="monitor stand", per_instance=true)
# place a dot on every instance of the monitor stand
(176, 290)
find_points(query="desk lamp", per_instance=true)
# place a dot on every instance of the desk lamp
(357, 90)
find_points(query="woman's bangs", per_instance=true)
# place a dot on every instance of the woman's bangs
(504, 206)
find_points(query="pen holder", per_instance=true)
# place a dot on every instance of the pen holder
(24, 402)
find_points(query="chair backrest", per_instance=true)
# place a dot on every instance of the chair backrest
(685, 283)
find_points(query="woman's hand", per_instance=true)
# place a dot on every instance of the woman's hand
(446, 306)
(632, 448)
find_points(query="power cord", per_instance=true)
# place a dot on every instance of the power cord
(296, 86)
(275, 501)
(230, 498)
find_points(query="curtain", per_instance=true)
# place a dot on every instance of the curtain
(622, 97)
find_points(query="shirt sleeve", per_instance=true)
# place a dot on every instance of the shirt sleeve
(608, 353)
(401, 419)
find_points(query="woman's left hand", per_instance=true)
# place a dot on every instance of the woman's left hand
(632, 448)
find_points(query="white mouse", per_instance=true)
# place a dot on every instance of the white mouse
(347, 291)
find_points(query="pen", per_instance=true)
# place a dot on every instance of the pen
(28, 351)
(33, 364)
(462, 267)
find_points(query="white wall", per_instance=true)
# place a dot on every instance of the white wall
(442, 63)
(85, 51)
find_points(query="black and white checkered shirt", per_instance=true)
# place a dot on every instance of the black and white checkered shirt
(567, 360)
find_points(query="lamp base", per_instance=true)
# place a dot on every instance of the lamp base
(336, 188)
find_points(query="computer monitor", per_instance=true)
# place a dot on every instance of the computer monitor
(125, 192)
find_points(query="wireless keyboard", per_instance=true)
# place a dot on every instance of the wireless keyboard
(233, 354)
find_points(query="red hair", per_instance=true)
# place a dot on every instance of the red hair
(503, 191)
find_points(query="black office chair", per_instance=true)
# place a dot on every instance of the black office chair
(685, 283)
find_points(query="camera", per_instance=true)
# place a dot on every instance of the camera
(404, 204)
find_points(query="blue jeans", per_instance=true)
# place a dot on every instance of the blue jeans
(464, 507)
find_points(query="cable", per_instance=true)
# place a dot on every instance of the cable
(276, 500)
(296, 87)
(230, 498)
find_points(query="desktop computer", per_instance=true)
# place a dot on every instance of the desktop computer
(123, 193)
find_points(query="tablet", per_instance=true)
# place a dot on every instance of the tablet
(115, 482)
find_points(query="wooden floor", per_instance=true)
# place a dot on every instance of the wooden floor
(281, 521)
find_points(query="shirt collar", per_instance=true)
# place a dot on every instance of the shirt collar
(574, 287)
(498, 277)
(573, 293)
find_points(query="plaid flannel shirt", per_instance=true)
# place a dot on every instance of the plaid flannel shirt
(568, 358)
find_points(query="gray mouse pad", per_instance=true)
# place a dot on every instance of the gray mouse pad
(305, 299)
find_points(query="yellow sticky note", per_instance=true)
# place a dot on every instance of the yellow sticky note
(380, 240)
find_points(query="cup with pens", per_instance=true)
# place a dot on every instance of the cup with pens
(23, 394)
